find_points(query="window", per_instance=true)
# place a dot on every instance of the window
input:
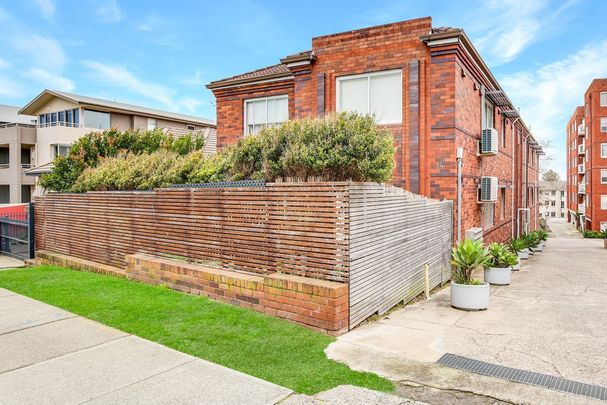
(26, 194)
(562, 215)
(562, 204)
(553, 214)
(603, 226)
(5, 194)
(502, 203)
(604, 150)
(603, 124)
(553, 203)
(265, 112)
(604, 99)
(603, 202)
(96, 119)
(603, 176)
(190, 127)
(488, 214)
(562, 193)
(379, 94)
(59, 150)
(152, 124)
(553, 192)
(489, 115)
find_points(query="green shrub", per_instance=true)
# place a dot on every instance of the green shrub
(589, 234)
(517, 245)
(89, 149)
(466, 257)
(500, 256)
(138, 172)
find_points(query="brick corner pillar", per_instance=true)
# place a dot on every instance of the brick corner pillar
(413, 183)
(320, 95)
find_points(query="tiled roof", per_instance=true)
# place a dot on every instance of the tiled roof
(269, 71)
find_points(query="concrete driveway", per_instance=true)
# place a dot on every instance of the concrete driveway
(50, 356)
(552, 319)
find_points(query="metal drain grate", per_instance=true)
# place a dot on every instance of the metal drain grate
(523, 376)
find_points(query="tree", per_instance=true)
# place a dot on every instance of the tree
(551, 175)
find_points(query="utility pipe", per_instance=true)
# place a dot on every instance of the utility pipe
(513, 191)
(459, 159)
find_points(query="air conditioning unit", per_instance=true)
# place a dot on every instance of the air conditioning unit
(474, 234)
(489, 140)
(488, 189)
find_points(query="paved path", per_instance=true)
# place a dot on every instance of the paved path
(7, 262)
(552, 319)
(50, 356)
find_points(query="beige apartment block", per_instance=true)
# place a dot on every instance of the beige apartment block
(553, 199)
(31, 137)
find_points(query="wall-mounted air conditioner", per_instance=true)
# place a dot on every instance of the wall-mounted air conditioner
(489, 141)
(488, 189)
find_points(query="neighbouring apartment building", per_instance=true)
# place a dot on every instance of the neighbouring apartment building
(553, 199)
(34, 135)
(432, 90)
(587, 159)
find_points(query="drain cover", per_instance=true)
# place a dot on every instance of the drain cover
(523, 376)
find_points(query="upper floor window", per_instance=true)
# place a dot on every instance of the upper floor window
(59, 150)
(604, 99)
(603, 176)
(152, 123)
(265, 112)
(489, 111)
(379, 94)
(68, 118)
(604, 150)
(603, 124)
(96, 119)
(190, 127)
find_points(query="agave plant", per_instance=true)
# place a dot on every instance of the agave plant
(542, 234)
(466, 257)
(531, 241)
(516, 245)
(501, 257)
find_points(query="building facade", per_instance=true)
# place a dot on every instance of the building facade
(553, 199)
(587, 159)
(432, 90)
(31, 137)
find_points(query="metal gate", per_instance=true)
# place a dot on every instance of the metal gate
(17, 231)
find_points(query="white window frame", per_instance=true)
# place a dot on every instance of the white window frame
(190, 127)
(603, 97)
(603, 122)
(604, 202)
(604, 149)
(250, 100)
(152, 124)
(55, 148)
(341, 79)
(603, 176)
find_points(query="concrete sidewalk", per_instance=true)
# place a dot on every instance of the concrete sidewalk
(551, 319)
(50, 356)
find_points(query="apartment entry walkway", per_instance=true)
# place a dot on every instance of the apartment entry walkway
(550, 320)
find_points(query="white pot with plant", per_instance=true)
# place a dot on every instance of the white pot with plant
(499, 268)
(519, 247)
(467, 293)
(531, 242)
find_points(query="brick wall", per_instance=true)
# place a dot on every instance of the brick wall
(318, 304)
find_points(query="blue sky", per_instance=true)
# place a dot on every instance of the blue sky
(159, 54)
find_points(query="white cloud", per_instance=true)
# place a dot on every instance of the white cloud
(109, 11)
(152, 22)
(50, 80)
(43, 52)
(550, 93)
(47, 8)
(118, 76)
(502, 29)
(11, 89)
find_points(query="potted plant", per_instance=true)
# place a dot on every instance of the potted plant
(467, 293)
(531, 242)
(540, 245)
(518, 247)
(543, 235)
(604, 234)
(499, 268)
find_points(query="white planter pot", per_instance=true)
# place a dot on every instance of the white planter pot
(498, 276)
(523, 254)
(517, 266)
(539, 248)
(531, 252)
(470, 297)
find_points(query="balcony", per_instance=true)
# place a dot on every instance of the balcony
(581, 188)
(581, 208)
(581, 149)
(581, 169)
(581, 130)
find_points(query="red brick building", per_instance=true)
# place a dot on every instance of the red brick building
(587, 159)
(431, 89)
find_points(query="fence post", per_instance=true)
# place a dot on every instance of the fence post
(31, 231)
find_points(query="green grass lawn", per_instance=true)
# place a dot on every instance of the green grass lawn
(244, 340)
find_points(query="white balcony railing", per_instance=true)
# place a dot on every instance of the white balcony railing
(581, 188)
(581, 130)
(581, 208)
(581, 169)
(60, 124)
